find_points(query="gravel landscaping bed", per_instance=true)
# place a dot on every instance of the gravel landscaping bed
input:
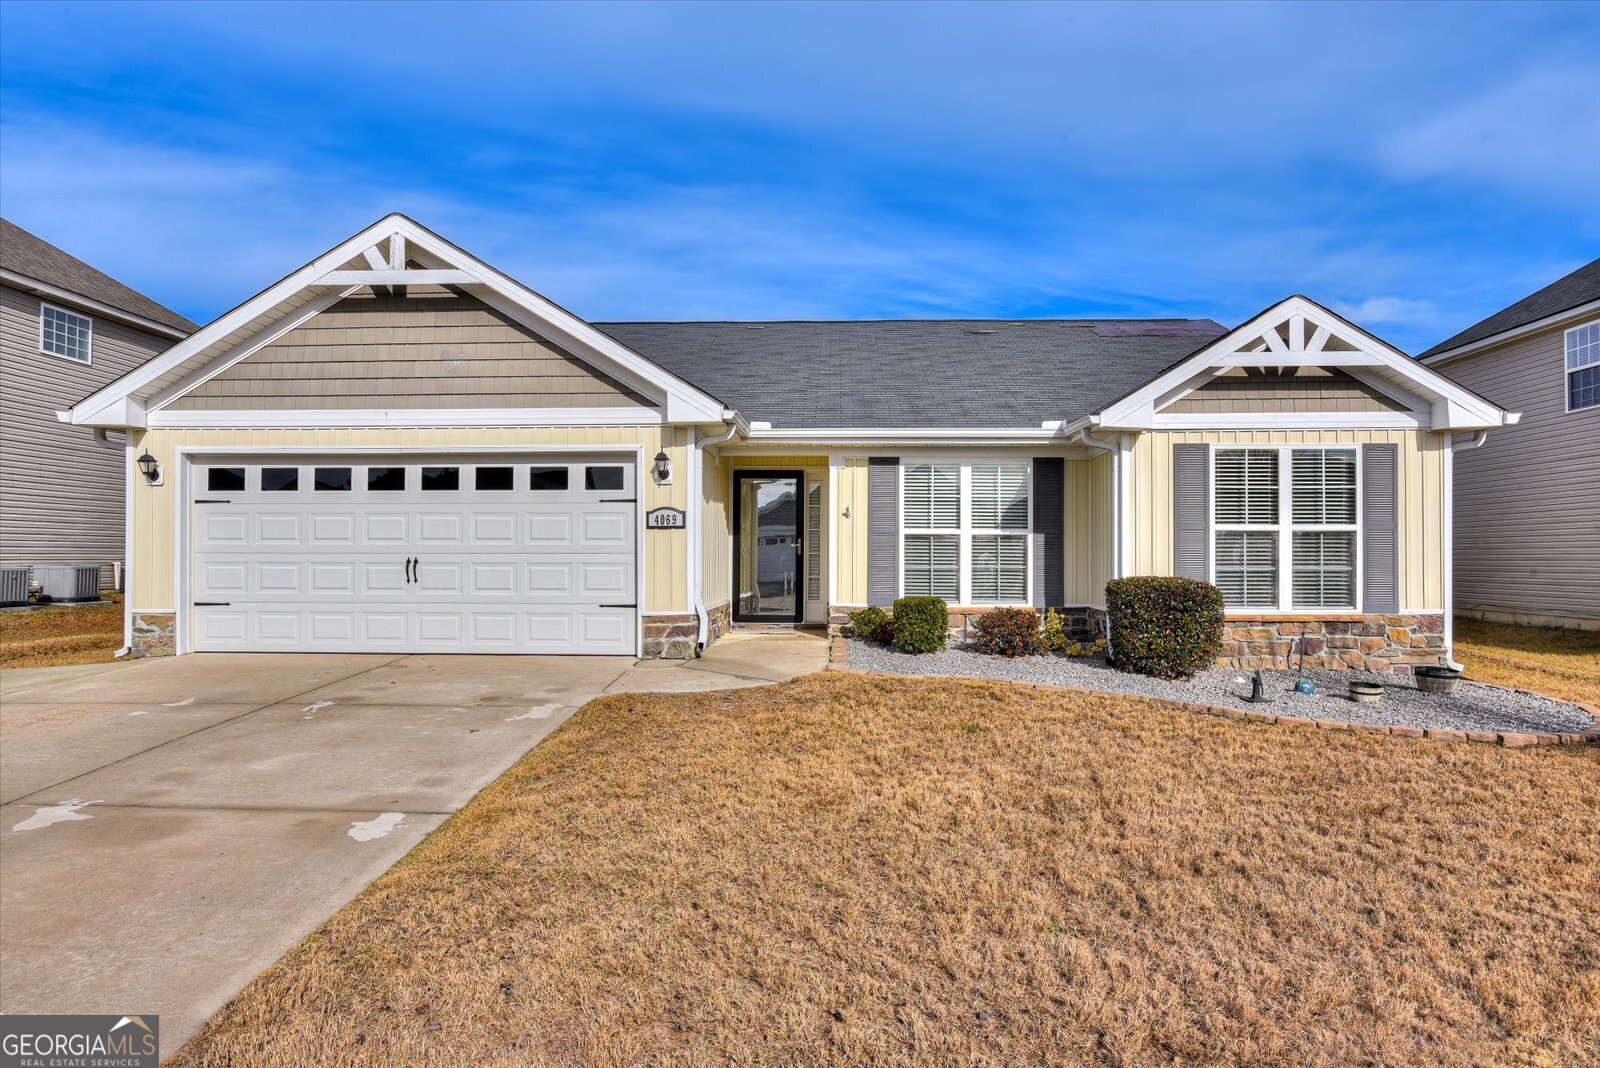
(1472, 707)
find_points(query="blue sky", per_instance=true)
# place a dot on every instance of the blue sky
(1414, 166)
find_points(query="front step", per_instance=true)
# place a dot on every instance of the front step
(778, 628)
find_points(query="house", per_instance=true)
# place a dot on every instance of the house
(1527, 530)
(399, 448)
(65, 329)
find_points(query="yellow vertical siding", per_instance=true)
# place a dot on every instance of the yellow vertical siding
(666, 563)
(1421, 453)
(850, 532)
(1089, 519)
(716, 543)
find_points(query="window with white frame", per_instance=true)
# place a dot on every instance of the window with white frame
(965, 531)
(1583, 366)
(1284, 526)
(64, 333)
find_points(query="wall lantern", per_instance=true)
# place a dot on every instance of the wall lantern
(149, 468)
(662, 470)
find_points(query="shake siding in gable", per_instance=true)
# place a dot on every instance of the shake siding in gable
(1527, 521)
(63, 491)
(424, 350)
(1312, 389)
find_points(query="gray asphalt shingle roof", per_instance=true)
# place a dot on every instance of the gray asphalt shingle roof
(904, 373)
(36, 258)
(1579, 287)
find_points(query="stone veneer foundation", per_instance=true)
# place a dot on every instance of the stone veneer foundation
(1393, 643)
(670, 637)
(154, 634)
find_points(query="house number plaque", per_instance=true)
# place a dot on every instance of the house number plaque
(664, 519)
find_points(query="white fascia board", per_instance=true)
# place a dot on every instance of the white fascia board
(685, 402)
(1292, 421)
(228, 322)
(1549, 321)
(334, 418)
(1465, 409)
(88, 304)
(908, 436)
(122, 413)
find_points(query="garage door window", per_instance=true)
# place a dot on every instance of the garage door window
(332, 478)
(493, 478)
(280, 479)
(441, 478)
(225, 479)
(547, 478)
(386, 479)
(602, 478)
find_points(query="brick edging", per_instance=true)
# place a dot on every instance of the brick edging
(839, 660)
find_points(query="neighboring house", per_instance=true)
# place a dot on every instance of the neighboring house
(1527, 524)
(65, 330)
(398, 448)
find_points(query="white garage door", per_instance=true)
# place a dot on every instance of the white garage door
(501, 554)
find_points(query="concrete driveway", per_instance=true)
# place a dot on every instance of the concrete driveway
(168, 828)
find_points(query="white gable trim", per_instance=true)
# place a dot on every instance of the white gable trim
(389, 241)
(1310, 327)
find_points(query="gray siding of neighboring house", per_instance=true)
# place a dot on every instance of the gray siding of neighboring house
(61, 492)
(1527, 505)
(1311, 390)
(425, 350)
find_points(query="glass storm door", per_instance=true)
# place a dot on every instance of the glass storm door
(767, 546)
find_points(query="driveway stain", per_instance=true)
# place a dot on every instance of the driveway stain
(369, 830)
(45, 815)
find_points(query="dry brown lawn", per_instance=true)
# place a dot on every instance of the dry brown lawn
(61, 635)
(1554, 661)
(854, 869)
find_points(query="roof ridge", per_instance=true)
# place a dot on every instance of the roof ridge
(1020, 319)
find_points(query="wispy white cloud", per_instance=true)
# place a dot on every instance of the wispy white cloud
(1538, 131)
(1389, 311)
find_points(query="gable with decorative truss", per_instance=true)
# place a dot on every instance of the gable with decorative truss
(1299, 365)
(476, 345)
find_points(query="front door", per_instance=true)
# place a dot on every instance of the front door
(768, 547)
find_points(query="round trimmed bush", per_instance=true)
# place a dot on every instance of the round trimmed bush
(872, 624)
(1008, 632)
(1165, 627)
(921, 624)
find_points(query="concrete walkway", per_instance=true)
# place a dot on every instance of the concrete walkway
(168, 828)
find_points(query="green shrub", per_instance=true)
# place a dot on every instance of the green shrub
(921, 624)
(1165, 627)
(872, 624)
(1053, 630)
(1009, 632)
(1094, 648)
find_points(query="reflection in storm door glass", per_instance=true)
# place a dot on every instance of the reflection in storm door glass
(769, 562)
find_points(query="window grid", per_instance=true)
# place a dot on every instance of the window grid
(1302, 511)
(65, 334)
(964, 531)
(1583, 366)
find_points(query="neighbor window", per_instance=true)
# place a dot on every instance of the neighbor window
(1284, 528)
(64, 333)
(1583, 366)
(965, 531)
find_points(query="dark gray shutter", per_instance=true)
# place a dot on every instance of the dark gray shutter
(1049, 534)
(883, 529)
(1191, 512)
(1380, 530)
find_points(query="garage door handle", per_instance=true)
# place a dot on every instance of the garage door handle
(619, 500)
(213, 604)
(617, 606)
(411, 562)
(212, 502)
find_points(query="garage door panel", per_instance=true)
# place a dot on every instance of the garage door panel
(518, 571)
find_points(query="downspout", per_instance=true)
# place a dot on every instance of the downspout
(1476, 440)
(735, 425)
(1115, 449)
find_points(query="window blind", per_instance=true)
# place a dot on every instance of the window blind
(933, 496)
(1247, 486)
(933, 565)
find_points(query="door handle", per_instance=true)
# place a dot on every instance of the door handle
(411, 562)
